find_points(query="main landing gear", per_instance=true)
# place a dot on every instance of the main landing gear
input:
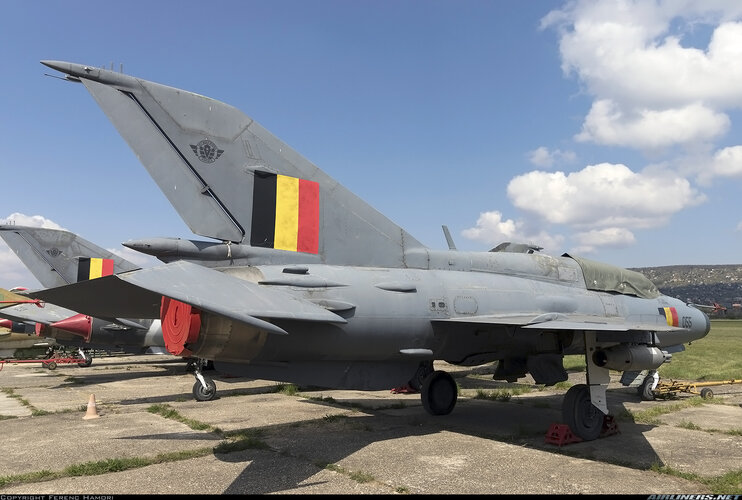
(579, 413)
(439, 393)
(584, 406)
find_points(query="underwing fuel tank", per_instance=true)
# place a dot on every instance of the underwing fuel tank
(167, 249)
(214, 252)
(629, 358)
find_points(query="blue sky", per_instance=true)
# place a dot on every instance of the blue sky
(609, 130)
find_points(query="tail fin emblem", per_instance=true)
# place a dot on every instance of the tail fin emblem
(90, 268)
(285, 213)
(206, 151)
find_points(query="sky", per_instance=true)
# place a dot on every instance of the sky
(605, 129)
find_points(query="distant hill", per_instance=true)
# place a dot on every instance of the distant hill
(701, 285)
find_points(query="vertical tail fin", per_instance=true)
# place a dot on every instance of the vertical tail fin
(57, 257)
(231, 179)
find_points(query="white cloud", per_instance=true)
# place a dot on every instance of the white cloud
(12, 271)
(608, 124)
(542, 157)
(650, 89)
(664, 77)
(726, 162)
(601, 196)
(30, 220)
(493, 230)
(615, 237)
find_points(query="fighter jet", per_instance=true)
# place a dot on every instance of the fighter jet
(354, 300)
(57, 257)
(11, 343)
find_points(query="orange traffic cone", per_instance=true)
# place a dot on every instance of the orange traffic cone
(92, 410)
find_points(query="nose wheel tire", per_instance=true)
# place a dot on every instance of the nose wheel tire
(202, 393)
(645, 390)
(439, 393)
(585, 420)
(88, 360)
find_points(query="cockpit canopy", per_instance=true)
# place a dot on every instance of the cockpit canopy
(607, 278)
(516, 248)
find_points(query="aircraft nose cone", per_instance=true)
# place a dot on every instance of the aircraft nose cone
(701, 324)
(134, 244)
(708, 323)
(58, 65)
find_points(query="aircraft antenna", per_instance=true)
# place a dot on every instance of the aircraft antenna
(451, 244)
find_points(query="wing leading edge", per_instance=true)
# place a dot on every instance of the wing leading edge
(562, 321)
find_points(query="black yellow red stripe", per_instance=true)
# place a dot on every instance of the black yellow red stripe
(285, 213)
(670, 314)
(90, 268)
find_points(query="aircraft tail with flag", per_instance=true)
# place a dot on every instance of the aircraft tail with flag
(232, 180)
(57, 257)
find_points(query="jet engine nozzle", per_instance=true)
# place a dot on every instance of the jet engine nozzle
(628, 358)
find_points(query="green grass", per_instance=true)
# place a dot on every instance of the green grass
(685, 424)
(650, 416)
(726, 484)
(168, 412)
(574, 363)
(103, 467)
(716, 357)
(287, 389)
(503, 394)
(357, 476)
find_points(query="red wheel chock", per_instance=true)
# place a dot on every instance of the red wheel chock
(561, 434)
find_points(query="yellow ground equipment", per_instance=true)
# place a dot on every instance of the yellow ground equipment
(675, 386)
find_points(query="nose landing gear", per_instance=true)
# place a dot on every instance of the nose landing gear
(205, 388)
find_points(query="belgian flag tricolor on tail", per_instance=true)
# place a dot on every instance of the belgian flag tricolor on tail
(670, 314)
(90, 268)
(285, 213)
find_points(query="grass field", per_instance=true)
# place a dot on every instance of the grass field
(717, 356)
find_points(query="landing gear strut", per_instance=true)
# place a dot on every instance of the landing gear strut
(87, 357)
(584, 406)
(205, 388)
(423, 371)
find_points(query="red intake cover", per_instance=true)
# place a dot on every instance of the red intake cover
(181, 324)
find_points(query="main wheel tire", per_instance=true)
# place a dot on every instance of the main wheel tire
(202, 393)
(645, 389)
(439, 393)
(578, 412)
